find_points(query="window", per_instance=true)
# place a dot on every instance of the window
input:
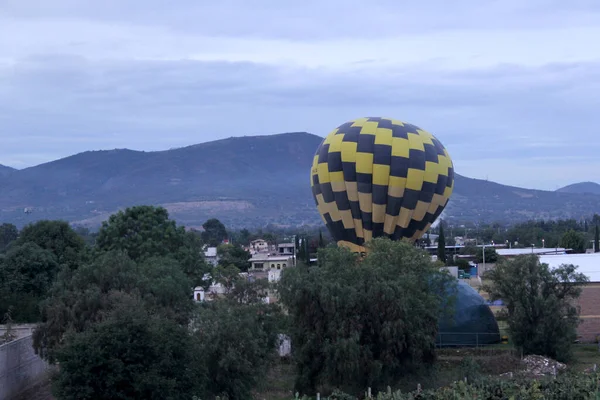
(283, 265)
(278, 266)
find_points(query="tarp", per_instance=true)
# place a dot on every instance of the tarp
(472, 322)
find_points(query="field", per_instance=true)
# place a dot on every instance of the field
(452, 365)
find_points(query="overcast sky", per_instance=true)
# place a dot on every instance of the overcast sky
(510, 87)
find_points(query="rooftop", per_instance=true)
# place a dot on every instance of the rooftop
(588, 264)
(545, 250)
(266, 257)
(210, 252)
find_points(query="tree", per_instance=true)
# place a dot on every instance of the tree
(131, 354)
(78, 300)
(141, 231)
(359, 323)
(26, 274)
(321, 241)
(540, 304)
(232, 254)
(144, 232)
(573, 240)
(214, 232)
(441, 250)
(58, 237)
(8, 234)
(491, 256)
(596, 239)
(244, 237)
(237, 342)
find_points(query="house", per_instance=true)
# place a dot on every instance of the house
(211, 257)
(259, 246)
(264, 262)
(286, 249)
(589, 301)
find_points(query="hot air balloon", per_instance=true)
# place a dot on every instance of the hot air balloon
(375, 177)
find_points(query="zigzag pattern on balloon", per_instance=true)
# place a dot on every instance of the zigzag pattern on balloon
(375, 177)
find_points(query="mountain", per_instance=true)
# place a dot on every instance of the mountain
(581, 187)
(244, 181)
(4, 170)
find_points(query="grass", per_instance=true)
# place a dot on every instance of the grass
(585, 356)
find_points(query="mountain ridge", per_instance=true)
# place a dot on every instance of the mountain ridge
(245, 181)
(581, 188)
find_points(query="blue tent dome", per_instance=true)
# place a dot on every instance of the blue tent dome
(471, 322)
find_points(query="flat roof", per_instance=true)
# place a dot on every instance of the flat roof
(535, 250)
(588, 264)
(270, 258)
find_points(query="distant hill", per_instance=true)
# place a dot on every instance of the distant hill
(581, 187)
(244, 181)
(4, 170)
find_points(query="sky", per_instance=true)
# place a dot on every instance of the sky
(510, 87)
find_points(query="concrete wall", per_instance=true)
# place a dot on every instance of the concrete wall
(589, 301)
(20, 367)
(19, 330)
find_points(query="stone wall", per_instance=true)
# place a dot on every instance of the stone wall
(20, 367)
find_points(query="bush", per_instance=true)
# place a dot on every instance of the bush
(569, 386)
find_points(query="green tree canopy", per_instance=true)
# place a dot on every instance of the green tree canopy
(235, 255)
(214, 232)
(574, 240)
(238, 342)
(146, 231)
(491, 256)
(541, 313)
(80, 299)
(8, 234)
(26, 274)
(58, 237)
(142, 232)
(131, 354)
(359, 323)
(441, 250)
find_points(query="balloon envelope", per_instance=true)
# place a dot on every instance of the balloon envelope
(374, 177)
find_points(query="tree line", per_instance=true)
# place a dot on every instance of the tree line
(119, 317)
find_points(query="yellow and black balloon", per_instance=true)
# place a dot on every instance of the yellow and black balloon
(375, 177)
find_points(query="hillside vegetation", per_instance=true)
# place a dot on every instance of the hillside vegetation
(244, 181)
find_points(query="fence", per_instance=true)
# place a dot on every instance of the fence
(20, 367)
(472, 339)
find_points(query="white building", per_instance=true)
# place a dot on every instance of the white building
(265, 262)
(211, 257)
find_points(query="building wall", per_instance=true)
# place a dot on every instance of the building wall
(20, 367)
(589, 301)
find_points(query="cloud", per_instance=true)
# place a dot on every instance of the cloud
(509, 87)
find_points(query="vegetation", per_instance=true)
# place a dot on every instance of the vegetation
(120, 319)
(564, 387)
(31, 263)
(116, 310)
(441, 250)
(358, 323)
(574, 240)
(214, 232)
(540, 309)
